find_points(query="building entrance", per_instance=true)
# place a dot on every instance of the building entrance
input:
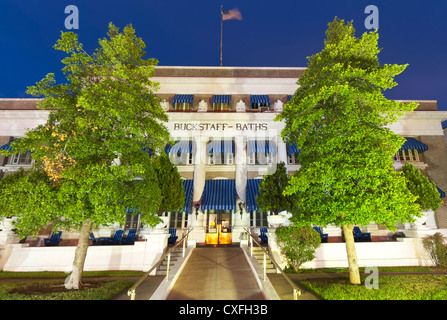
(218, 227)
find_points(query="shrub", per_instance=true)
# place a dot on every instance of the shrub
(297, 244)
(437, 248)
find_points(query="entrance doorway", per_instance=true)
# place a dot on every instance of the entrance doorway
(218, 227)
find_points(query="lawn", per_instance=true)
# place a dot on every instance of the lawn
(390, 287)
(50, 285)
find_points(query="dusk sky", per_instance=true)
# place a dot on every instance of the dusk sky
(187, 33)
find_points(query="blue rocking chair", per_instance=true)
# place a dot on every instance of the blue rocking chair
(173, 237)
(116, 238)
(323, 236)
(263, 236)
(54, 240)
(130, 238)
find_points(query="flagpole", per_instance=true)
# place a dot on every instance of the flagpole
(221, 32)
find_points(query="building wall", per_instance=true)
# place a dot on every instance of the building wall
(436, 158)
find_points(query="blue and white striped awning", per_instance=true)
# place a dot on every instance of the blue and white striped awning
(188, 185)
(182, 146)
(221, 98)
(292, 148)
(252, 192)
(265, 146)
(219, 194)
(441, 193)
(412, 143)
(8, 146)
(259, 98)
(183, 98)
(221, 146)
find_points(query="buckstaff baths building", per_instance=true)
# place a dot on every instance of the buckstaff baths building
(226, 139)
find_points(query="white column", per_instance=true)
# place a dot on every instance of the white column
(282, 150)
(200, 159)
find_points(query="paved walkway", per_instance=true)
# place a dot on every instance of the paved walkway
(216, 274)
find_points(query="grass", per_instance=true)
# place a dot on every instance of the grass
(50, 285)
(106, 291)
(390, 287)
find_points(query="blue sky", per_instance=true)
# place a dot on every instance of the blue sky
(187, 33)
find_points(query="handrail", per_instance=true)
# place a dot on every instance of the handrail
(296, 290)
(131, 291)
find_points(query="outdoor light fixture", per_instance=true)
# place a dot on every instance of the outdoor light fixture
(241, 205)
(197, 209)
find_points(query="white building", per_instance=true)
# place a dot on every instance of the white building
(223, 121)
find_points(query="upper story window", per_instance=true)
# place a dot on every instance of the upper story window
(183, 102)
(260, 152)
(221, 152)
(292, 153)
(17, 159)
(181, 152)
(411, 151)
(20, 159)
(259, 102)
(221, 102)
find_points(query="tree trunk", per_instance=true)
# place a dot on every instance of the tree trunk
(73, 281)
(354, 274)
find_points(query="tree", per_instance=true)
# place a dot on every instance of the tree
(170, 184)
(419, 185)
(89, 153)
(298, 244)
(338, 117)
(271, 197)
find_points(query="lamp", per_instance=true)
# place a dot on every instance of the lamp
(241, 205)
(197, 209)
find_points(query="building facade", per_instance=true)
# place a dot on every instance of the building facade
(222, 122)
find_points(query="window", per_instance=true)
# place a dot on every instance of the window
(132, 222)
(221, 102)
(221, 107)
(176, 218)
(411, 155)
(292, 159)
(259, 102)
(221, 152)
(258, 218)
(20, 159)
(183, 102)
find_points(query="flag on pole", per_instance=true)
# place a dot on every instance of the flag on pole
(231, 14)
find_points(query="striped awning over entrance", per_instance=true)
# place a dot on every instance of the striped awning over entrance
(219, 194)
(252, 192)
(265, 146)
(221, 98)
(188, 185)
(413, 143)
(221, 146)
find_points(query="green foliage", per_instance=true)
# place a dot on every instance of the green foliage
(338, 117)
(436, 245)
(298, 244)
(170, 184)
(420, 186)
(89, 153)
(271, 196)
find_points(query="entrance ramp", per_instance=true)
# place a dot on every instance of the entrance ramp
(216, 274)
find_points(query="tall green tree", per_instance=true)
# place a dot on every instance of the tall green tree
(89, 153)
(419, 185)
(170, 184)
(271, 196)
(338, 117)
